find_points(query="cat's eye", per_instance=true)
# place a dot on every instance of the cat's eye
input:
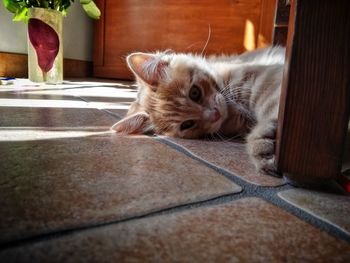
(187, 125)
(195, 93)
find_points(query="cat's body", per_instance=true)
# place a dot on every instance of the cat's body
(188, 96)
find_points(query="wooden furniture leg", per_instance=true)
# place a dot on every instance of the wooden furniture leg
(315, 99)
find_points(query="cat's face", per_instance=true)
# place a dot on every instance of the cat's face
(188, 106)
(178, 95)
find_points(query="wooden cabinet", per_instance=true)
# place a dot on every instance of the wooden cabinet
(180, 25)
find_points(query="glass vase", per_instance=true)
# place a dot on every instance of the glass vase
(45, 46)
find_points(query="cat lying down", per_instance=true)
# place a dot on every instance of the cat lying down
(189, 96)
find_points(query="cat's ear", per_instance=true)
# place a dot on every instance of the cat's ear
(151, 68)
(137, 123)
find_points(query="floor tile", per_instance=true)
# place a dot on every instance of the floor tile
(101, 82)
(26, 85)
(30, 96)
(332, 208)
(247, 230)
(117, 98)
(118, 113)
(26, 117)
(106, 99)
(55, 117)
(21, 84)
(105, 93)
(230, 156)
(61, 184)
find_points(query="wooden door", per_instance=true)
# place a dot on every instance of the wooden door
(181, 25)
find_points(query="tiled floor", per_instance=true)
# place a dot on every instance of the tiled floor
(73, 191)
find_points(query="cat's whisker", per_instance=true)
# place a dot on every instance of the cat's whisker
(222, 137)
(209, 137)
(192, 45)
(208, 39)
(236, 93)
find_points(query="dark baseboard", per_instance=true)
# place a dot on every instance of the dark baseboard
(16, 65)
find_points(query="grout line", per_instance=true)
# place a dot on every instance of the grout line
(228, 174)
(251, 191)
(267, 193)
(112, 113)
(307, 217)
(222, 199)
(103, 109)
(79, 97)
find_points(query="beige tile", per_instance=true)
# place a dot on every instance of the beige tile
(230, 156)
(332, 208)
(60, 184)
(26, 117)
(55, 117)
(93, 92)
(38, 117)
(118, 98)
(247, 230)
(118, 113)
(30, 96)
(101, 82)
(23, 85)
(121, 106)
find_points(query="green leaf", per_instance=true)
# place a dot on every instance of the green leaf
(11, 6)
(21, 15)
(92, 10)
(20, 7)
(63, 5)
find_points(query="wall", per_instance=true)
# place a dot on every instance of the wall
(77, 34)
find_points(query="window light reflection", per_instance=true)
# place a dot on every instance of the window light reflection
(249, 36)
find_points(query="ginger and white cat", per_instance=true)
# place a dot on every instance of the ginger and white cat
(189, 96)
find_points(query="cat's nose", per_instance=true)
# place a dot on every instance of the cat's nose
(215, 116)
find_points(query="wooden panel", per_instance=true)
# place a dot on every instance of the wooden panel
(281, 23)
(315, 100)
(180, 25)
(267, 19)
(99, 25)
(280, 35)
(282, 14)
(16, 65)
(13, 65)
(73, 68)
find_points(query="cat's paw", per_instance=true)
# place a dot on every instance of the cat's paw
(261, 149)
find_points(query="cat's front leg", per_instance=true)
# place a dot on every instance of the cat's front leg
(261, 147)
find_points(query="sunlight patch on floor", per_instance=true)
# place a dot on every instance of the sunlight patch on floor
(38, 103)
(27, 85)
(34, 133)
(104, 92)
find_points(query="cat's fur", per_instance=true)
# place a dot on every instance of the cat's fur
(189, 96)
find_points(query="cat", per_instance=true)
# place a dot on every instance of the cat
(190, 96)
